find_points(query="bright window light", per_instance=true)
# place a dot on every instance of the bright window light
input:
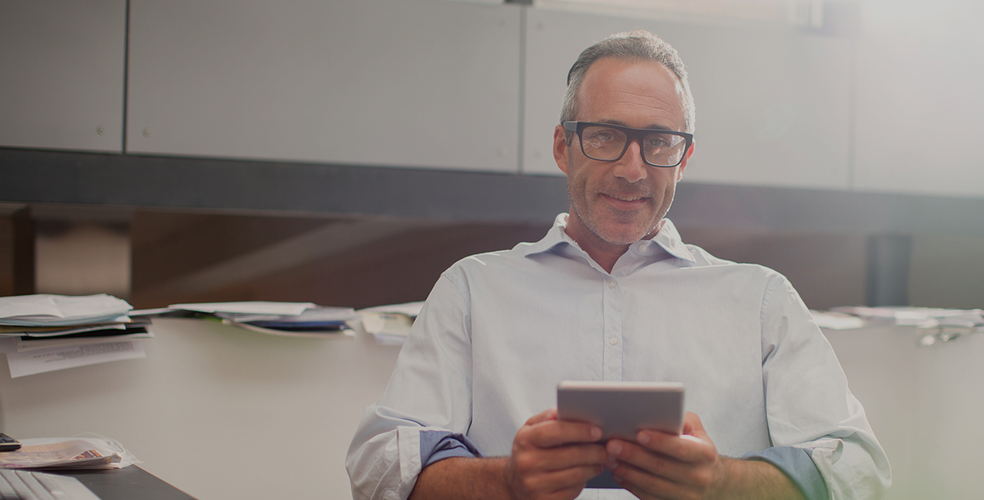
(796, 12)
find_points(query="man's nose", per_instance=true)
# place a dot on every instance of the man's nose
(631, 166)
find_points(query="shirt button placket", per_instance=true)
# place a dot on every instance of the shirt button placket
(612, 335)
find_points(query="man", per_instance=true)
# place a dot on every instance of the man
(611, 293)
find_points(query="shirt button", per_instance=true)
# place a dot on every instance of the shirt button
(613, 341)
(612, 284)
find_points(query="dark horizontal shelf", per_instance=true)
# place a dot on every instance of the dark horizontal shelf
(54, 177)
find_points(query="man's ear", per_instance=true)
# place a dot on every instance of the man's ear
(686, 158)
(560, 148)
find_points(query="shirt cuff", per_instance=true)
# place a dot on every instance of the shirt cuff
(798, 466)
(438, 445)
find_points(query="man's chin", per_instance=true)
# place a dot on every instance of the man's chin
(622, 238)
(619, 228)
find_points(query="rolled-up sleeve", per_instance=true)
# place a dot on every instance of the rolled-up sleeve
(809, 405)
(798, 466)
(425, 405)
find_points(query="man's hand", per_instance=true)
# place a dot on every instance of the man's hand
(553, 459)
(664, 466)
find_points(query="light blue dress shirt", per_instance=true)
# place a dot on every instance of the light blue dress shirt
(501, 329)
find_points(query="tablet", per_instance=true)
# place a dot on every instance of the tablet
(622, 409)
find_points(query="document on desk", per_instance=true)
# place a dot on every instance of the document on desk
(249, 307)
(922, 317)
(289, 319)
(30, 361)
(836, 321)
(61, 310)
(84, 451)
(391, 324)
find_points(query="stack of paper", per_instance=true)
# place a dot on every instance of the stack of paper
(922, 317)
(390, 325)
(294, 319)
(42, 333)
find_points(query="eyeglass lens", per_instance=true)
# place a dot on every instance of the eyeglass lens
(608, 144)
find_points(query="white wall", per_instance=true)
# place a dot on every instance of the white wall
(920, 110)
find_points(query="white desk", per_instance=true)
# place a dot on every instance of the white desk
(222, 413)
(214, 398)
(924, 404)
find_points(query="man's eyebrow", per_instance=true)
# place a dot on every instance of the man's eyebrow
(651, 126)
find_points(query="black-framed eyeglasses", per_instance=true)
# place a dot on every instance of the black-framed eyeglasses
(607, 142)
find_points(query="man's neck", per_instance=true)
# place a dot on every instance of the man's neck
(603, 252)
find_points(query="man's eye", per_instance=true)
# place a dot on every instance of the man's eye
(603, 137)
(656, 142)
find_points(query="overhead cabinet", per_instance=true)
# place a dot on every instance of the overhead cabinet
(772, 101)
(890, 106)
(405, 83)
(62, 74)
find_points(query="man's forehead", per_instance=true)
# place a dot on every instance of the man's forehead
(613, 86)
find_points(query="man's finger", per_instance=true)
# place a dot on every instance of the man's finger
(685, 448)
(563, 479)
(564, 457)
(543, 416)
(644, 485)
(694, 445)
(548, 434)
(653, 472)
(692, 426)
(638, 457)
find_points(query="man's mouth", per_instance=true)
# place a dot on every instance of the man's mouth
(625, 201)
(624, 197)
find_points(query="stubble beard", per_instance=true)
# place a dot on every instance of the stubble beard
(610, 235)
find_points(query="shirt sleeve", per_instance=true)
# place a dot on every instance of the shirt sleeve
(809, 405)
(426, 403)
(438, 445)
(798, 467)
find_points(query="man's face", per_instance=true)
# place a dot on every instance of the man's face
(618, 203)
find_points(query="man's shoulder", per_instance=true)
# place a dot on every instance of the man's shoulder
(703, 258)
(497, 259)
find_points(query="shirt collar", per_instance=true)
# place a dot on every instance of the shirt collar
(670, 240)
(555, 236)
(667, 238)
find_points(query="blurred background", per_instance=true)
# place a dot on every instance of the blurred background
(162, 151)
(346, 152)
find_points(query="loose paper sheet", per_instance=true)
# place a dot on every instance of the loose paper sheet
(251, 307)
(71, 356)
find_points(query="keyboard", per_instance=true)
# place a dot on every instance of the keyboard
(30, 485)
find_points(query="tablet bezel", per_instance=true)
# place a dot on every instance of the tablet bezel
(623, 408)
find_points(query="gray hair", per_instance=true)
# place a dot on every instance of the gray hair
(637, 45)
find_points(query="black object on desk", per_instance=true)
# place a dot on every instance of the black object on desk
(125, 484)
(8, 443)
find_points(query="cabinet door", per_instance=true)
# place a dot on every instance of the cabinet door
(772, 101)
(409, 83)
(62, 74)
(920, 101)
